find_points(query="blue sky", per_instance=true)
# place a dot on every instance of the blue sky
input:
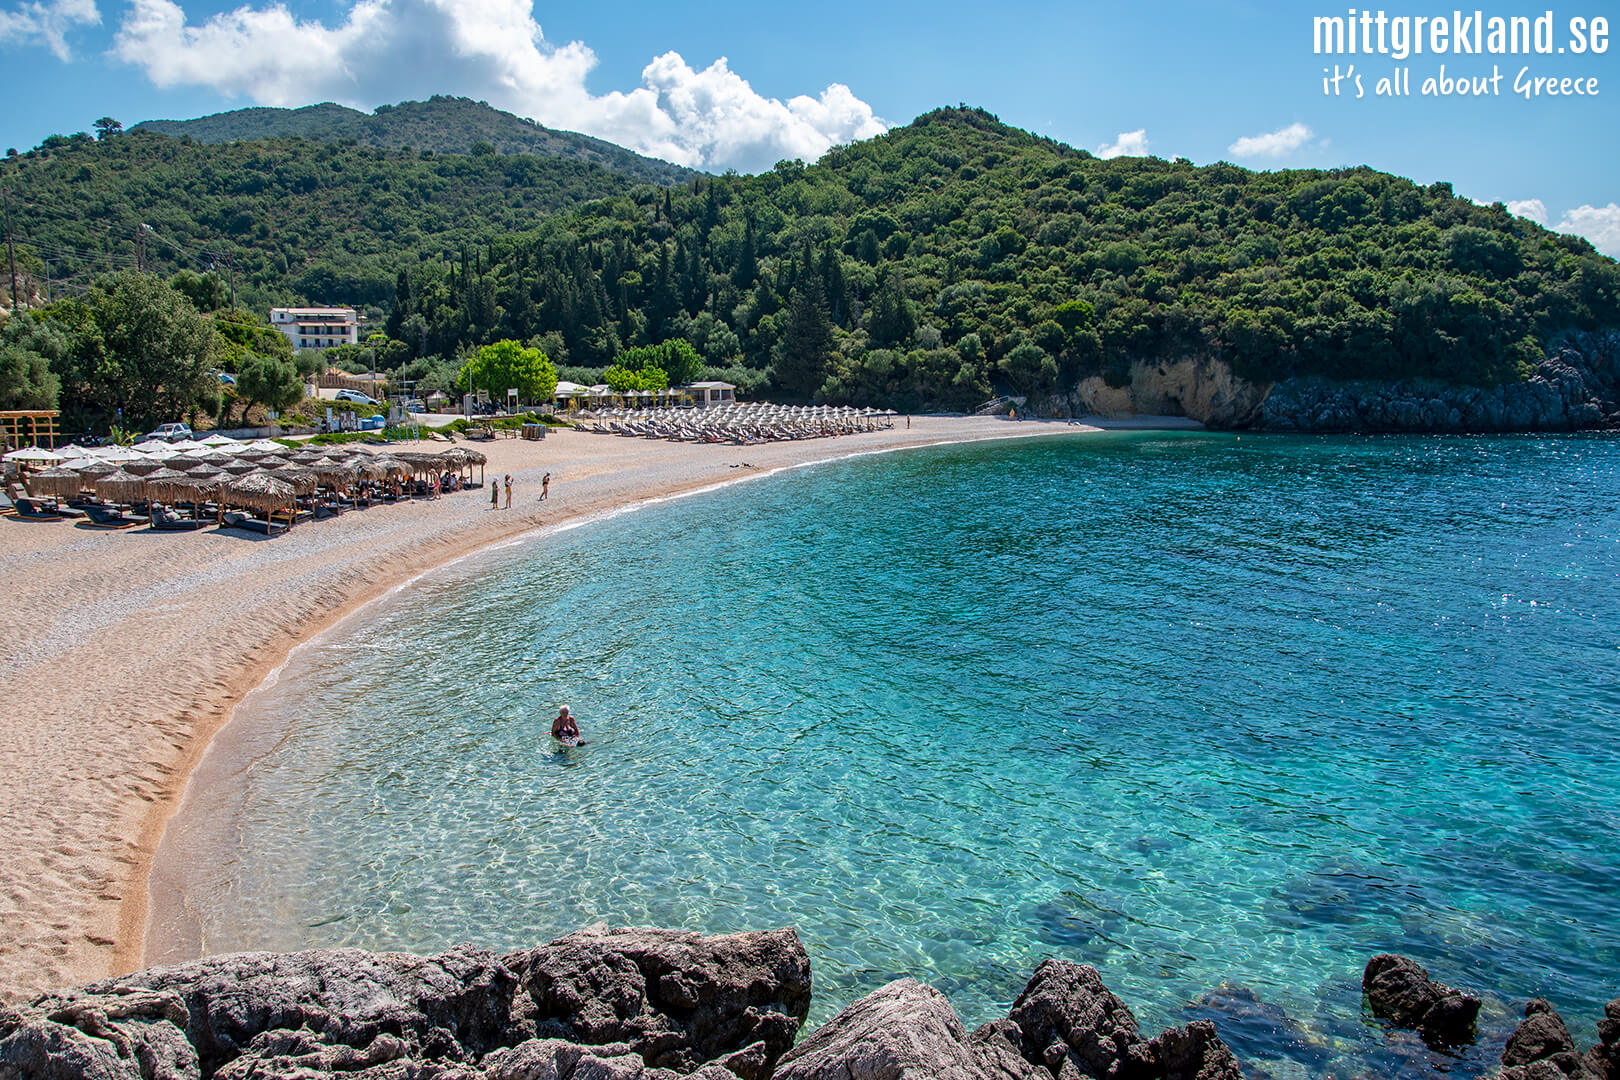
(1203, 79)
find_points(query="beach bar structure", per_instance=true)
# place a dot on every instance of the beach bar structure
(708, 395)
(28, 427)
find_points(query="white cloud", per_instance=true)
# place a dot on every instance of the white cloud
(1129, 144)
(1273, 144)
(47, 23)
(1599, 224)
(1534, 209)
(385, 51)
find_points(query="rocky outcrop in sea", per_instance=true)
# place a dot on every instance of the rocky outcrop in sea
(1575, 388)
(644, 1004)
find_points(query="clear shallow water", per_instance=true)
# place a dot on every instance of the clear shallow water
(1193, 709)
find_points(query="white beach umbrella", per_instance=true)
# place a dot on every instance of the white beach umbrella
(267, 446)
(118, 454)
(34, 455)
(216, 439)
(185, 445)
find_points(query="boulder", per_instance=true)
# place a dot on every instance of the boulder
(1066, 1014)
(677, 998)
(300, 1055)
(1603, 1060)
(1400, 992)
(903, 1031)
(133, 1034)
(452, 1007)
(1071, 1025)
(554, 1059)
(1194, 1052)
(1540, 1048)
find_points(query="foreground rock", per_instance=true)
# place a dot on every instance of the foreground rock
(596, 1004)
(1400, 991)
(1073, 1026)
(1065, 1025)
(1541, 1048)
(899, 1032)
(678, 999)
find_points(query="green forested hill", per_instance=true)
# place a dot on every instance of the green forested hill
(924, 268)
(299, 219)
(956, 255)
(447, 125)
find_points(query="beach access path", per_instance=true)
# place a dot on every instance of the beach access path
(126, 651)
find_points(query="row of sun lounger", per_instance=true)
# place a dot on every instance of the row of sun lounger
(741, 424)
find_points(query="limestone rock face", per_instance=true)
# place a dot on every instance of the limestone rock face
(1575, 387)
(1199, 387)
(678, 998)
(1400, 991)
(903, 1031)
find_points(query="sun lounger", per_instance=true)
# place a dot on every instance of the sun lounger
(36, 509)
(106, 517)
(166, 520)
(235, 520)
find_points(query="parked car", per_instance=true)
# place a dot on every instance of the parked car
(413, 405)
(355, 396)
(167, 433)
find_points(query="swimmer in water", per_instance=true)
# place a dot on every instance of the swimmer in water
(564, 729)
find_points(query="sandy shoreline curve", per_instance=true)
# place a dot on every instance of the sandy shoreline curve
(128, 652)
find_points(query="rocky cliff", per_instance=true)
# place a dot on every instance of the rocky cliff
(639, 1004)
(1575, 388)
(595, 1005)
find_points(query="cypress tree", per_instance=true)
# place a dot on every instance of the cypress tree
(802, 352)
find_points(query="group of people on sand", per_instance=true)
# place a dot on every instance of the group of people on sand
(495, 491)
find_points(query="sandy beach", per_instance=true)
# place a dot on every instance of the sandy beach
(127, 652)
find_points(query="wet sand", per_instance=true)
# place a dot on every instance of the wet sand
(127, 651)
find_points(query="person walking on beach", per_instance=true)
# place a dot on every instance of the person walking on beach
(545, 486)
(509, 491)
(495, 496)
(565, 729)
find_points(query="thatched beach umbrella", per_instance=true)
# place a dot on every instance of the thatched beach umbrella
(302, 481)
(391, 465)
(119, 487)
(475, 457)
(171, 486)
(206, 472)
(60, 483)
(370, 469)
(93, 468)
(260, 491)
(143, 468)
(334, 474)
(240, 467)
(419, 462)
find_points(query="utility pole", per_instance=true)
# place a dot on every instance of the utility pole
(11, 250)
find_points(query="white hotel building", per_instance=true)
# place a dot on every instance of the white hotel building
(317, 327)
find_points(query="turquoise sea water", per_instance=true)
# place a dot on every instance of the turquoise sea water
(1214, 715)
